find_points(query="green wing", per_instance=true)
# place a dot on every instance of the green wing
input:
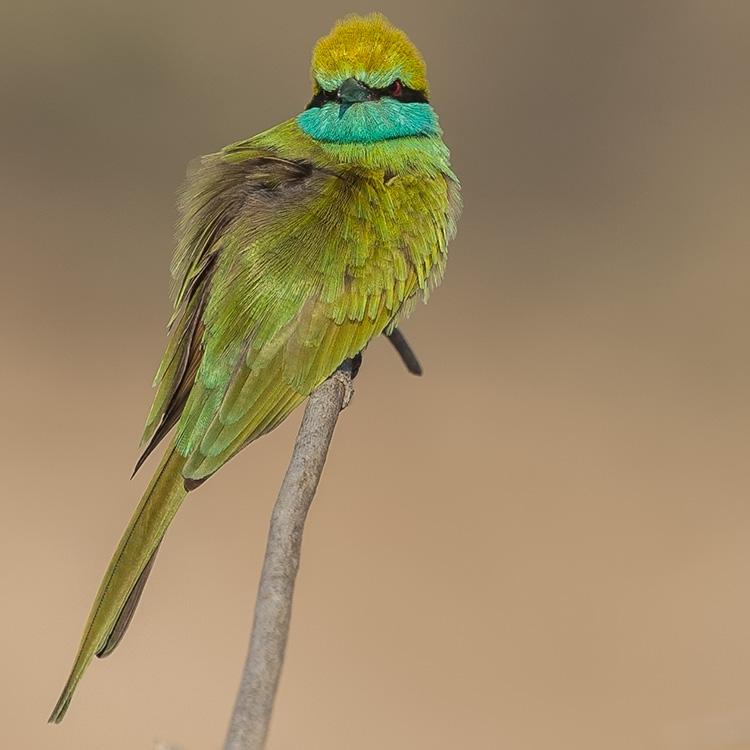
(285, 268)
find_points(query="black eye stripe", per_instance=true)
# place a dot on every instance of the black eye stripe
(406, 95)
(322, 97)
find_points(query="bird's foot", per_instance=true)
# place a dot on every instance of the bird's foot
(345, 374)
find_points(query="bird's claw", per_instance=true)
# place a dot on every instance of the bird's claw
(344, 377)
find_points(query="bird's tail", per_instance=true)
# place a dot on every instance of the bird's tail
(127, 573)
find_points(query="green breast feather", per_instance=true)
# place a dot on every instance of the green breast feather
(287, 267)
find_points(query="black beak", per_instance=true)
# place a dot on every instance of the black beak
(353, 91)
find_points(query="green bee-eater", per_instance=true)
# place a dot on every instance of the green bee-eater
(295, 248)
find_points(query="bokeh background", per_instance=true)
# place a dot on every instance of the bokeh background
(542, 543)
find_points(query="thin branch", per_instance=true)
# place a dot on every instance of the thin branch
(405, 351)
(252, 712)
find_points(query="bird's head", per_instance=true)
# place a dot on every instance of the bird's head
(369, 84)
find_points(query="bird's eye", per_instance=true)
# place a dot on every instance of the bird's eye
(395, 88)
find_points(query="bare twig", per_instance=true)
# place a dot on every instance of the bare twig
(252, 712)
(405, 351)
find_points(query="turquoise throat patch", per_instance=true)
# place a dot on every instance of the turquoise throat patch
(365, 122)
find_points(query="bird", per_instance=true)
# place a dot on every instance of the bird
(294, 249)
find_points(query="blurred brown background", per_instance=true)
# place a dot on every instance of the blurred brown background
(544, 542)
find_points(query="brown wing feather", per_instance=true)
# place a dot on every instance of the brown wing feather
(190, 359)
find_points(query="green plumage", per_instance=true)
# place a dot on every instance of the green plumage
(123, 582)
(293, 252)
